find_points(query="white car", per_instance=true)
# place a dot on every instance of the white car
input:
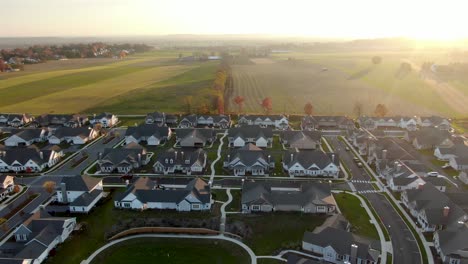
(432, 174)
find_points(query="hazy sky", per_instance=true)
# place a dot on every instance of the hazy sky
(325, 18)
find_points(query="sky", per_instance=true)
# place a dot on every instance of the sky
(429, 19)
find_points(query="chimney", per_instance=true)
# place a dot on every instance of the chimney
(63, 188)
(229, 158)
(182, 155)
(446, 211)
(354, 250)
(333, 158)
(41, 154)
(100, 155)
(175, 155)
(399, 167)
(269, 159)
(420, 186)
(384, 154)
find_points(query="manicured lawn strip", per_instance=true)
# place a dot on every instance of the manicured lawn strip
(376, 216)
(219, 195)
(350, 175)
(269, 261)
(351, 208)
(389, 258)
(415, 234)
(271, 232)
(235, 205)
(174, 251)
(324, 146)
(131, 121)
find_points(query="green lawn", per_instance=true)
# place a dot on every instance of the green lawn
(235, 205)
(174, 251)
(219, 195)
(275, 231)
(104, 220)
(350, 207)
(269, 261)
(131, 121)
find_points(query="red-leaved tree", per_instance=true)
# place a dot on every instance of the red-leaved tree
(267, 105)
(239, 101)
(308, 108)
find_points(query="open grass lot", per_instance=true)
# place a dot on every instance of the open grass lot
(174, 251)
(102, 221)
(137, 85)
(350, 207)
(349, 78)
(275, 231)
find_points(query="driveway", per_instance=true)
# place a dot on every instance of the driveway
(405, 247)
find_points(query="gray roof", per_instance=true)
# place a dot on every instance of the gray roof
(459, 150)
(309, 157)
(301, 139)
(341, 242)
(436, 181)
(453, 239)
(429, 136)
(197, 135)
(86, 198)
(262, 117)
(58, 119)
(248, 155)
(80, 183)
(148, 130)
(250, 132)
(189, 118)
(62, 132)
(185, 157)
(216, 118)
(326, 120)
(32, 250)
(129, 154)
(22, 155)
(29, 133)
(394, 151)
(297, 194)
(103, 115)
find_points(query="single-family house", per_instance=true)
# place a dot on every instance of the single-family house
(361, 140)
(123, 160)
(7, 184)
(148, 194)
(249, 160)
(383, 153)
(189, 121)
(66, 120)
(259, 136)
(273, 196)
(183, 161)
(80, 193)
(305, 139)
(105, 119)
(277, 121)
(327, 123)
(435, 121)
(26, 137)
(151, 134)
(36, 238)
(315, 163)
(29, 159)
(15, 120)
(195, 137)
(388, 123)
(460, 162)
(158, 118)
(463, 176)
(429, 138)
(445, 154)
(72, 135)
(452, 244)
(218, 121)
(171, 120)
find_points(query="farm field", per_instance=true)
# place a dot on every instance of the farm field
(334, 82)
(85, 85)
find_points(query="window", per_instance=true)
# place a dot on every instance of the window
(196, 206)
(126, 205)
(172, 161)
(255, 207)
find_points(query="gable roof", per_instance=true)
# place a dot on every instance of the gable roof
(184, 157)
(62, 132)
(262, 118)
(28, 134)
(129, 154)
(23, 155)
(430, 136)
(248, 155)
(307, 158)
(253, 131)
(197, 135)
(80, 183)
(301, 139)
(147, 130)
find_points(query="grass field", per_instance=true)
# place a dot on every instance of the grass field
(348, 78)
(137, 85)
(174, 251)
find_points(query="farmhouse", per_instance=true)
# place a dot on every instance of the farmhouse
(152, 134)
(148, 194)
(105, 119)
(185, 161)
(123, 160)
(219, 121)
(336, 245)
(435, 121)
(429, 138)
(15, 120)
(80, 193)
(72, 135)
(327, 123)
(76, 120)
(249, 160)
(293, 197)
(36, 238)
(29, 159)
(301, 139)
(311, 163)
(26, 137)
(7, 184)
(195, 137)
(276, 121)
(259, 136)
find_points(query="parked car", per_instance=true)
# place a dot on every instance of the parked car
(359, 164)
(356, 159)
(432, 174)
(347, 149)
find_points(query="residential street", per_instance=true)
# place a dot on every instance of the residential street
(405, 247)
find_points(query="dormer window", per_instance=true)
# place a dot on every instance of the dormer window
(172, 161)
(166, 160)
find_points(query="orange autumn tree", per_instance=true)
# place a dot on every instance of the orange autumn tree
(308, 108)
(239, 101)
(267, 105)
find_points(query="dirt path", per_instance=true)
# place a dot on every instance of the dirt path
(451, 95)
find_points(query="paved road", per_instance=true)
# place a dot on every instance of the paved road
(405, 247)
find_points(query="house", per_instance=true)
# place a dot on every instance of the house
(292, 197)
(383, 153)
(158, 118)
(184, 161)
(388, 123)
(452, 244)
(7, 184)
(80, 193)
(305, 139)
(192, 121)
(75, 120)
(151, 134)
(432, 209)
(145, 193)
(311, 163)
(327, 123)
(36, 238)
(72, 135)
(123, 160)
(457, 150)
(29, 159)
(105, 119)
(195, 137)
(361, 140)
(460, 162)
(335, 245)
(249, 160)
(435, 121)
(277, 121)
(429, 138)
(259, 136)
(16, 120)
(26, 137)
(463, 176)
(401, 176)
(171, 120)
